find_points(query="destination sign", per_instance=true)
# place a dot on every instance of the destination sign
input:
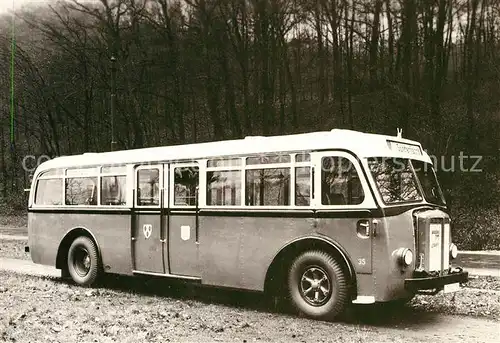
(404, 148)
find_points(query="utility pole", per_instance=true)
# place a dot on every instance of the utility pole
(113, 102)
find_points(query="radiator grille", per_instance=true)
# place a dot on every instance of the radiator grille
(432, 240)
(434, 246)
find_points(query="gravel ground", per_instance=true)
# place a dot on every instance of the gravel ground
(467, 302)
(34, 309)
(484, 282)
(14, 249)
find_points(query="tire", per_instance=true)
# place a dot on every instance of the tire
(83, 261)
(330, 296)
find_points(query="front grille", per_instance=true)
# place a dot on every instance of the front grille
(435, 242)
(432, 239)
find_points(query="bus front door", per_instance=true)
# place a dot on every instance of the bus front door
(343, 202)
(147, 229)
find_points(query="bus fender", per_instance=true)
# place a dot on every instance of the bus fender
(68, 238)
(306, 243)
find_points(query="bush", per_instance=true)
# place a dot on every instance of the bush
(14, 205)
(476, 229)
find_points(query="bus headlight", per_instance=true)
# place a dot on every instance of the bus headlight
(453, 251)
(405, 256)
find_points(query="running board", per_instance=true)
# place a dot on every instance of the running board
(364, 299)
(171, 276)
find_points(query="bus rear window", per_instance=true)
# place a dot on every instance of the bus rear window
(49, 192)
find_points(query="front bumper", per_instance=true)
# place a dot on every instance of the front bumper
(435, 282)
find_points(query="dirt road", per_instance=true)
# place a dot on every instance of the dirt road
(47, 309)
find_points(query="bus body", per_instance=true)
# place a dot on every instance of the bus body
(330, 217)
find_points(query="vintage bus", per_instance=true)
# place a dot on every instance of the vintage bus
(324, 219)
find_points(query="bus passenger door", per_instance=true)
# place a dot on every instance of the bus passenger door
(147, 230)
(183, 235)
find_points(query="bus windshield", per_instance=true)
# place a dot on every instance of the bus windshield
(428, 180)
(398, 181)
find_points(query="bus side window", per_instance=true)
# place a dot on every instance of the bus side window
(224, 188)
(303, 186)
(267, 187)
(355, 190)
(186, 181)
(113, 190)
(81, 191)
(340, 183)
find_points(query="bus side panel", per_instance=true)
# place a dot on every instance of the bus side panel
(220, 250)
(365, 285)
(44, 237)
(111, 231)
(236, 251)
(113, 235)
(262, 239)
(344, 232)
(359, 250)
(394, 232)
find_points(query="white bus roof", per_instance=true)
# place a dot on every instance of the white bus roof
(361, 144)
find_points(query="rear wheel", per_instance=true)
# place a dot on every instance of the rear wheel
(83, 261)
(317, 285)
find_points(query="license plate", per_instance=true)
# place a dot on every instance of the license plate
(452, 287)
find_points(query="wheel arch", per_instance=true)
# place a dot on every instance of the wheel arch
(69, 237)
(277, 270)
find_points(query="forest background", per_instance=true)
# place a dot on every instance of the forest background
(202, 70)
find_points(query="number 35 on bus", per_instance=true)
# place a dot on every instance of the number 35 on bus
(322, 219)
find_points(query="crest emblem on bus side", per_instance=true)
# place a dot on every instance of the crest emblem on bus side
(185, 232)
(147, 229)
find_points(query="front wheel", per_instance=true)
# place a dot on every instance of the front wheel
(317, 285)
(83, 261)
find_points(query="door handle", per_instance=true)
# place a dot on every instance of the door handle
(363, 228)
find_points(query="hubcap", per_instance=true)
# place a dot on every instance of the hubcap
(82, 261)
(315, 286)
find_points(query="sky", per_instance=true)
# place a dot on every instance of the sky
(7, 5)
